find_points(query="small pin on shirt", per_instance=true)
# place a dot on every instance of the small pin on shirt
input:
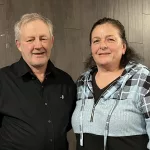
(62, 97)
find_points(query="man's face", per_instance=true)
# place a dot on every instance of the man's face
(35, 43)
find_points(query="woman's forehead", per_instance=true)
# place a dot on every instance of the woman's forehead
(106, 29)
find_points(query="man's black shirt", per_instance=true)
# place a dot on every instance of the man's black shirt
(35, 115)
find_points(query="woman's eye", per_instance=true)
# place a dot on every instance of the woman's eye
(111, 39)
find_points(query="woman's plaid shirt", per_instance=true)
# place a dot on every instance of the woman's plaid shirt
(127, 104)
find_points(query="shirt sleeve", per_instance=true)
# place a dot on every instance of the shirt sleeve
(145, 105)
(0, 94)
(73, 98)
(148, 131)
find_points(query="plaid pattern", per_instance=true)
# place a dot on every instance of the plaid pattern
(120, 109)
(136, 78)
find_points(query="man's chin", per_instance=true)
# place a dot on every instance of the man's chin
(39, 65)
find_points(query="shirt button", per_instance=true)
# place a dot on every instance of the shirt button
(50, 140)
(49, 121)
(46, 104)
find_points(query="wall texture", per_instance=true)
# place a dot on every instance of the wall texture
(72, 21)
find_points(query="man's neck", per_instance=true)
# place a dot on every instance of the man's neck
(39, 72)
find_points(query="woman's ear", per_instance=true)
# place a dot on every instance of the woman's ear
(124, 48)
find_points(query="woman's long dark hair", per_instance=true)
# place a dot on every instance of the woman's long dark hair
(130, 54)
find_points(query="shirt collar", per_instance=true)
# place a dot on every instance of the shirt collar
(23, 69)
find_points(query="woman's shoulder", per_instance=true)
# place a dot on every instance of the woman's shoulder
(143, 68)
(86, 74)
(138, 67)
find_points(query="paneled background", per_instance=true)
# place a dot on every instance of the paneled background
(72, 21)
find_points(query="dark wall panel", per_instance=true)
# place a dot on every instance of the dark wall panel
(146, 39)
(2, 2)
(105, 8)
(146, 6)
(73, 55)
(72, 11)
(121, 13)
(85, 44)
(3, 34)
(88, 14)
(135, 21)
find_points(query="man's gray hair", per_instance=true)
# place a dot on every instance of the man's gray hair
(26, 18)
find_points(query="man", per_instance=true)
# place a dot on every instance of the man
(36, 98)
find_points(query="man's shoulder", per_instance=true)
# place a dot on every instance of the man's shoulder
(8, 68)
(62, 75)
(6, 74)
(61, 72)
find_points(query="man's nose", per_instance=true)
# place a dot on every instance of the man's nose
(38, 44)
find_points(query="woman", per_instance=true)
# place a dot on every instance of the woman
(113, 99)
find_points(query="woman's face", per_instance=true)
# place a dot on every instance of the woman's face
(107, 46)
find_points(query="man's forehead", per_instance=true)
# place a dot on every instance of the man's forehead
(35, 24)
(35, 28)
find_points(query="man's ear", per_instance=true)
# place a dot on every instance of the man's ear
(18, 45)
(52, 40)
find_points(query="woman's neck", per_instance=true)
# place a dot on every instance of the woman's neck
(104, 76)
